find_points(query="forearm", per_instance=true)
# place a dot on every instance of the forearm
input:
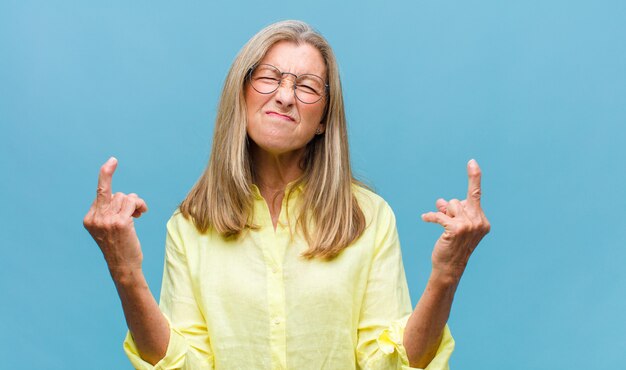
(424, 329)
(147, 325)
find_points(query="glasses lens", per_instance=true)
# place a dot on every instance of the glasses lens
(265, 78)
(309, 88)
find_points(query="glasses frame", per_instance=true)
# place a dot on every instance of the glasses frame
(293, 85)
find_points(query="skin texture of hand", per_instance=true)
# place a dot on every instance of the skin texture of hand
(110, 223)
(464, 224)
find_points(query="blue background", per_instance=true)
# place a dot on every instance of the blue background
(535, 90)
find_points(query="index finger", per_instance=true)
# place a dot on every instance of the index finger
(474, 191)
(104, 180)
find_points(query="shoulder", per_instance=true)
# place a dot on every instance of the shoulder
(380, 230)
(374, 207)
(181, 225)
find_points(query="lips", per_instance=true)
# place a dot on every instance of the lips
(280, 115)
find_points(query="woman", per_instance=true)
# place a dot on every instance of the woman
(278, 258)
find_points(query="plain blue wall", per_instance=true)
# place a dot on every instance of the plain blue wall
(535, 90)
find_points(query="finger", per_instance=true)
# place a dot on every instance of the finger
(442, 205)
(104, 181)
(87, 220)
(117, 201)
(473, 186)
(128, 207)
(437, 218)
(137, 213)
(455, 208)
(140, 205)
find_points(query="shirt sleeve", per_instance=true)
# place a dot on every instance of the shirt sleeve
(387, 306)
(189, 346)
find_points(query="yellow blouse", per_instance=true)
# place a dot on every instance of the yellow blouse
(253, 303)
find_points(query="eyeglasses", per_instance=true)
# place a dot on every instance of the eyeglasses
(308, 88)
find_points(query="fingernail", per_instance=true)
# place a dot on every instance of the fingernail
(472, 162)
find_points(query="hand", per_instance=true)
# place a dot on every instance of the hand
(464, 226)
(110, 223)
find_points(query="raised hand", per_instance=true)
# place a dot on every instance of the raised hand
(110, 223)
(464, 224)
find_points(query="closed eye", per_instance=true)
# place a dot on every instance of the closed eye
(306, 89)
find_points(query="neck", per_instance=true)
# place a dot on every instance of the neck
(274, 171)
(272, 174)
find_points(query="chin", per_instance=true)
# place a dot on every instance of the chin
(277, 146)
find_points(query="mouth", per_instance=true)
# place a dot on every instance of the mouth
(281, 116)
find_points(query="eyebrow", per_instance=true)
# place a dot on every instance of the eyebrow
(322, 76)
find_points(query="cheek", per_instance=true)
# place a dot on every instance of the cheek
(250, 100)
(311, 111)
(254, 104)
(314, 114)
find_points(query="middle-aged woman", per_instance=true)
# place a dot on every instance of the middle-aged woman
(278, 258)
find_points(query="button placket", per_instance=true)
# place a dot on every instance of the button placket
(276, 297)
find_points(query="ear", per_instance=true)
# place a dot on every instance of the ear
(321, 128)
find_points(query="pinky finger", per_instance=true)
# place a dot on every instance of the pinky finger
(140, 208)
(436, 218)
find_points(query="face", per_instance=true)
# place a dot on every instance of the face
(279, 123)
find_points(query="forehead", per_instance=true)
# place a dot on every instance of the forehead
(295, 58)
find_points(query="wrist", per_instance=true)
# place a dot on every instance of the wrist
(126, 276)
(444, 279)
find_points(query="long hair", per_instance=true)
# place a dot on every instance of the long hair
(329, 215)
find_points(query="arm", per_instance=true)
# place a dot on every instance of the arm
(387, 306)
(464, 225)
(147, 325)
(189, 345)
(110, 222)
(424, 329)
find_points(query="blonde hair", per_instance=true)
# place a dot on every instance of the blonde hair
(329, 215)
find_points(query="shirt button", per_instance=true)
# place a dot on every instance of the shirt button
(277, 321)
(275, 270)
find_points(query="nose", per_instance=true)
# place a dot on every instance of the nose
(285, 94)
